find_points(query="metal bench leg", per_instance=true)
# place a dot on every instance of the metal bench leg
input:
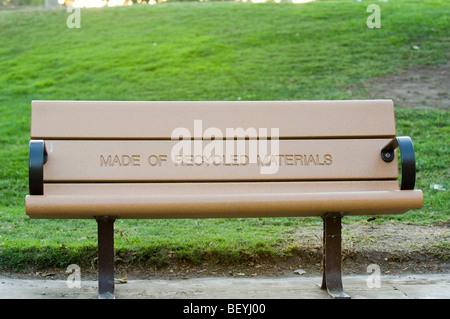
(105, 257)
(332, 273)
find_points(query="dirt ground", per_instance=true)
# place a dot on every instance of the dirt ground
(420, 87)
(395, 248)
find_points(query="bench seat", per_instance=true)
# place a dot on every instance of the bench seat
(219, 200)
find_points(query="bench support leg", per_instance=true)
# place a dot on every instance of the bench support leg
(105, 257)
(332, 273)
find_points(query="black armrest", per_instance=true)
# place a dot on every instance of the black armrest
(407, 156)
(37, 159)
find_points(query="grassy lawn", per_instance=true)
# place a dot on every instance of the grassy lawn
(205, 51)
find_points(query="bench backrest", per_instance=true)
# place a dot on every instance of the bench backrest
(139, 141)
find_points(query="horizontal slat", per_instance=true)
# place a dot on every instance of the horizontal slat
(223, 205)
(157, 120)
(98, 189)
(134, 161)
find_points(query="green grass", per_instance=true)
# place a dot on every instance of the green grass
(205, 51)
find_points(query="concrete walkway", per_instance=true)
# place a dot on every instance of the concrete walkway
(391, 287)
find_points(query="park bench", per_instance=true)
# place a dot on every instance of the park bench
(108, 160)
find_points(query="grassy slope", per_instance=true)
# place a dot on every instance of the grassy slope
(207, 51)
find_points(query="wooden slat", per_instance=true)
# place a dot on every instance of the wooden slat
(223, 205)
(157, 120)
(173, 189)
(133, 161)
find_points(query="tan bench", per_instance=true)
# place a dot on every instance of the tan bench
(112, 160)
